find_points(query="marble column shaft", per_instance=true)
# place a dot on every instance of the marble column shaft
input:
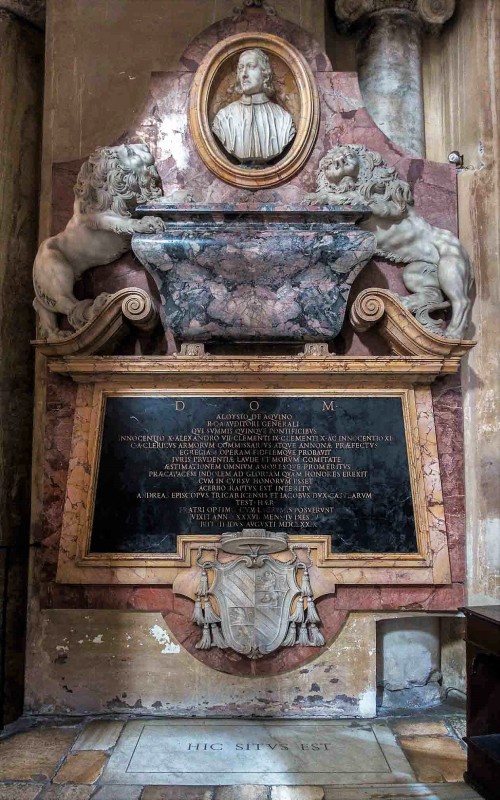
(389, 37)
(388, 51)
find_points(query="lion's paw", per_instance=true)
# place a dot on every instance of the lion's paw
(412, 302)
(98, 304)
(55, 336)
(149, 225)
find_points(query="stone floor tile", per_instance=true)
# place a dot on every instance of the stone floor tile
(178, 793)
(67, 793)
(459, 726)
(99, 735)
(297, 793)
(84, 766)
(414, 791)
(115, 792)
(20, 791)
(424, 727)
(153, 751)
(34, 755)
(435, 758)
(248, 792)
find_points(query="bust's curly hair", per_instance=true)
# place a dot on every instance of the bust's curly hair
(267, 72)
(376, 183)
(106, 183)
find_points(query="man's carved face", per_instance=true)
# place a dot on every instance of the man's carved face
(250, 73)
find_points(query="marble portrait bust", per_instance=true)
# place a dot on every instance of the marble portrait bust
(254, 129)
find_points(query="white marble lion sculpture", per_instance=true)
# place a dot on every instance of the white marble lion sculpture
(110, 184)
(436, 263)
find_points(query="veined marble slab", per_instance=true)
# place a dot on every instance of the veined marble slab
(234, 752)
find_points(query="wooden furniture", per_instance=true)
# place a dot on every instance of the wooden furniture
(483, 699)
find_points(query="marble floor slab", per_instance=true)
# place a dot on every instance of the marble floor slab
(415, 791)
(238, 752)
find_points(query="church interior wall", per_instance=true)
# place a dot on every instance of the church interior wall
(21, 101)
(134, 641)
(461, 90)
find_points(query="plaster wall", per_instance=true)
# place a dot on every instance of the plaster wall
(462, 87)
(97, 661)
(100, 55)
(106, 661)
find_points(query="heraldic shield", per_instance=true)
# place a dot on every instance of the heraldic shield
(255, 603)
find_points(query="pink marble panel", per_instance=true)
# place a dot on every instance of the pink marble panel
(448, 418)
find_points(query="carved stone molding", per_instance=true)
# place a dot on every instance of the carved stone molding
(431, 12)
(192, 349)
(372, 371)
(126, 308)
(427, 563)
(405, 336)
(315, 349)
(262, 5)
(210, 86)
(436, 12)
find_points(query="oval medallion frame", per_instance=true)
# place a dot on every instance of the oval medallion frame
(212, 76)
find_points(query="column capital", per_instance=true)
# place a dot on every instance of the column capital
(31, 10)
(432, 13)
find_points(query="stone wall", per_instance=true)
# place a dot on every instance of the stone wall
(461, 87)
(21, 95)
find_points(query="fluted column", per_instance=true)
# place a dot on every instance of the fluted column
(389, 53)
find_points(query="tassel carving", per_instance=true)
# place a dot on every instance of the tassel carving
(203, 587)
(317, 638)
(312, 614)
(210, 615)
(218, 637)
(291, 636)
(205, 642)
(303, 637)
(306, 616)
(198, 617)
(298, 614)
(306, 584)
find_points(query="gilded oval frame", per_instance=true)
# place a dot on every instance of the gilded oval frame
(307, 117)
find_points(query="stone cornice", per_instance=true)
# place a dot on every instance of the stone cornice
(31, 10)
(130, 307)
(432, 13)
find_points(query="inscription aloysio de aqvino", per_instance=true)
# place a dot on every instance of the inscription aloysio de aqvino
(206, 465)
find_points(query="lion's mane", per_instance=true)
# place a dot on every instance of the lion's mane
(105, 183)
(377, 184)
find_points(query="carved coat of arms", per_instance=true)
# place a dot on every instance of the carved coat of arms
(254, 603)
(260, 604)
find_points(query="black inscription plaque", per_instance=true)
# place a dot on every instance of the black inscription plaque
(303, 465)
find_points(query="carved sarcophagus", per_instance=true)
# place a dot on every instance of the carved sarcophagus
(252, 272)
